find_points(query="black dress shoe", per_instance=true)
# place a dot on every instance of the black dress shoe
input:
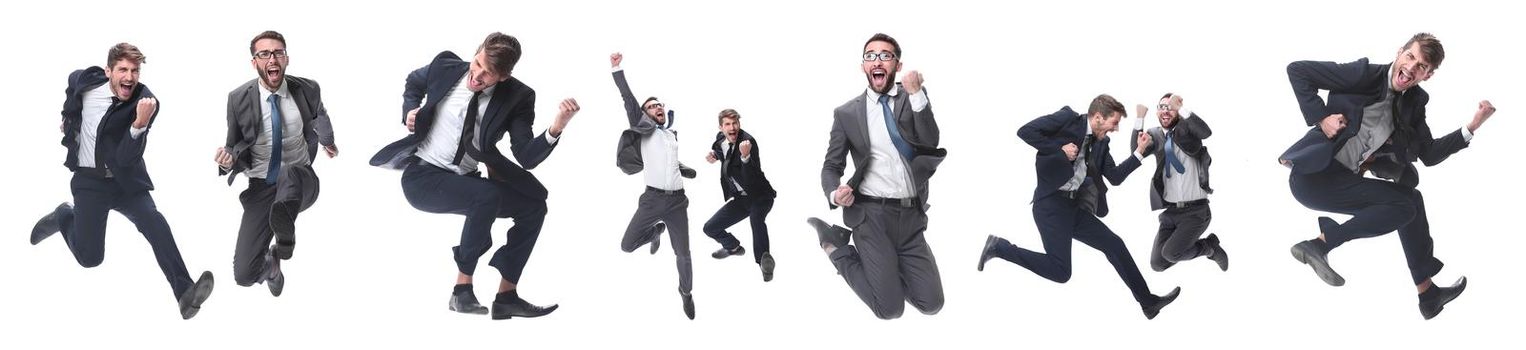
(688, 305)
(1160, 303)
(1217, 253)
(1430, 307)
(466, 303)
(767, 264)
(1306, 252)
(518, 307)
(657, 237)
(283, 221)
(988, 251)
(190, 300)
(723, 252)
(49, 224)
(835, 235)
(274, 278)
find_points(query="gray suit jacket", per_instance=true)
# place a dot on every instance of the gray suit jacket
(245, 121)
(1188, 134)
(850, 135)
(628, 150)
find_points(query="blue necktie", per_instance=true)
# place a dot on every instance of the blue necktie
(276, 124)
(1171, 156)
(895, 131)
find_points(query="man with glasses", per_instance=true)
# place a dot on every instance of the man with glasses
(1180, 185)
(1070, 199)
(106, 120)
(276, 123)
(650, 146)
(456, 111)
(1374, 121)
(890, 132)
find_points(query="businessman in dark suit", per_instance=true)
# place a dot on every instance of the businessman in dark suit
(1071, 199)
(106, 120)
(448, 142)
(890, 132)
(746, 190)
(1374, 121)
(1180, 185)
(650, 146)
(276, 123)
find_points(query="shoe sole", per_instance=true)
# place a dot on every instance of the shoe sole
(199, 297)
(549, 309)
(1321, 268)
(768, 269)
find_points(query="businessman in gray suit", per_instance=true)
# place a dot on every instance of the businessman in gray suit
(276, 123)
(891, 134)
(1180, 185)
(650, 146)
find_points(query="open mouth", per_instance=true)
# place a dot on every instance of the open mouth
(125, 88)
(1403, 78)
(878, 76)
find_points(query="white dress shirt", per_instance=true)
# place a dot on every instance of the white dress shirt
(888, 175)
(97, 103)
(293, 143)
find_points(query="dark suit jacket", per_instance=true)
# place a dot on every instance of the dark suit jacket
(850, 136)
(246, 121)
(1188, 133)
(118, 151)
(1049, 133)
(1352, 87)
(749, 174)
(628, 149)
(511, 110)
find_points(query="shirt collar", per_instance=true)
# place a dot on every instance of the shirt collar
(283, 90)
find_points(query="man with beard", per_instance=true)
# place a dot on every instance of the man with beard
(890, 132)
(1180, 185)
(446, 144)
(106, 120)
(650, 146)
(276, 123)
(1374, 121)
(746, 190)
(1070, 199)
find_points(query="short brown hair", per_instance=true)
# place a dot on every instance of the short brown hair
(728, 113)
(502, 52)
(269, 34)
(124, 51)
(1430, 47)
(886, 38)
(1106, 105)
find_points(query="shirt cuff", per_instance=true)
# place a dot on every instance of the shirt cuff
(616, 69)
(744, 159)
(1139, 123)
(1467, 136)
(919, 101)
(136, 132)
(1138, 155)
(549, 139)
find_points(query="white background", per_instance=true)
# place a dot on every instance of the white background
(372, 271)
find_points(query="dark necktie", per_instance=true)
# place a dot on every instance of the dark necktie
(276, 126)
(100, 160)
(1171, 156)
(468, 131)
(895, 131)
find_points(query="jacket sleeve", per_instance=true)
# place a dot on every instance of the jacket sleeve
(413, 91)
(1040, 132)
(1308, 77)
(633, 111)
(836, 160)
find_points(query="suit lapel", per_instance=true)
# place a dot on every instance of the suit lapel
(862, 119)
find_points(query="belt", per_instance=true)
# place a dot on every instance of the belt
(899, 202)
(1067, 194)
(666, 192)
(98, 173)
(1187, 204)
